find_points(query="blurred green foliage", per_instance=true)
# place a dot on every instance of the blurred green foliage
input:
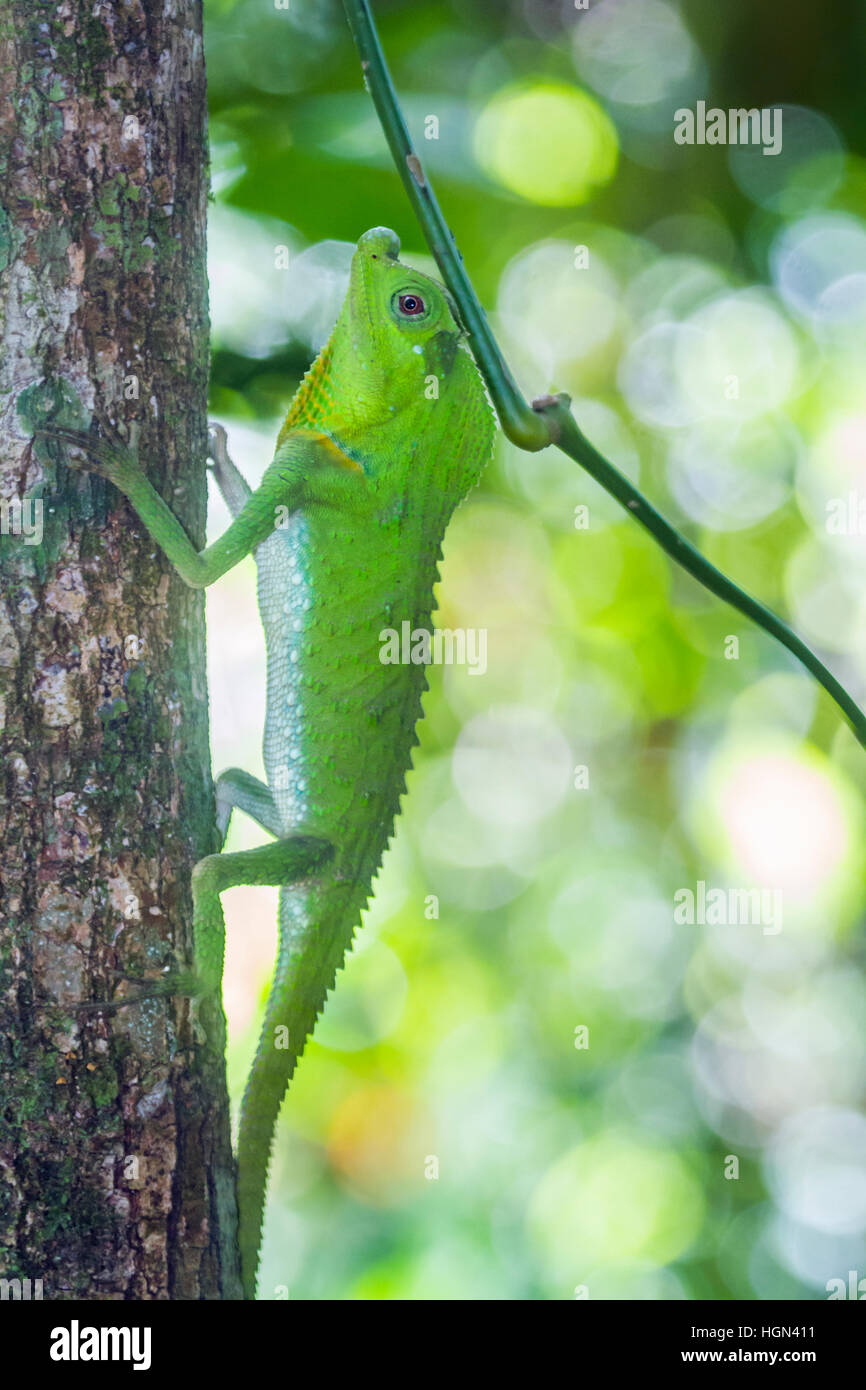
(448, 1134)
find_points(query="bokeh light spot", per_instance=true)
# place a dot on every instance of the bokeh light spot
(550, 143)
(784, 817)
(806, 171)
(612, 1199)
(634, 51)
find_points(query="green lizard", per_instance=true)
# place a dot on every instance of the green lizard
(388, 431)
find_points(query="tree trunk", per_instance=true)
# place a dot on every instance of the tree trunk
(116, 1176)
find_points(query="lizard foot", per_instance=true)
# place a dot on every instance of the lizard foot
(182, 983)
(109, 457)
(217, 445)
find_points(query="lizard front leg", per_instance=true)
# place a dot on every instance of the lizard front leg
(118, 462)
(231, 482)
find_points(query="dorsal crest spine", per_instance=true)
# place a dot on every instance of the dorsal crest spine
(312, 403)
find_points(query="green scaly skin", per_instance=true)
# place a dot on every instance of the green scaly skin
(347, 526)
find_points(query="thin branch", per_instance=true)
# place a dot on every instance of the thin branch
(549, 419)
(523, 425)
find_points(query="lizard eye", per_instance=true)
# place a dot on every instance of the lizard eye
(412, 305)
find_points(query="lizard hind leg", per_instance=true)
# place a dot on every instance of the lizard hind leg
(283, 862)
(239, 790)
(278, 863)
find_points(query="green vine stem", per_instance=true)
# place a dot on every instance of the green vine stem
(549, 419)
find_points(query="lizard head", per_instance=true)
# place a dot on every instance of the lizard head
(403, 326)
(395, 387)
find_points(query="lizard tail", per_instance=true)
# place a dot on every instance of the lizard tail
(307, 963)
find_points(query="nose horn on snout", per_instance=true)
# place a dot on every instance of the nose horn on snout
(380, 241)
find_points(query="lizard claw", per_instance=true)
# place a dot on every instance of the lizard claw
(217, 444)
(109, 457)
(182, 984)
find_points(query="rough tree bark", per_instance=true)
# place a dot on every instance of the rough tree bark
(116, 1176)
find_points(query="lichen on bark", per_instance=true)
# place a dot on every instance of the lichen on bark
(115, 1164)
